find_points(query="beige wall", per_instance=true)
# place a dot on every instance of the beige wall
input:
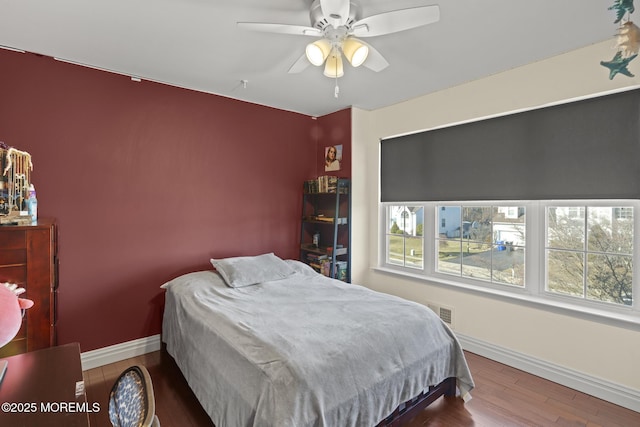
(595, 349)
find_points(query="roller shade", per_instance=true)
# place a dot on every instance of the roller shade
(587, 149)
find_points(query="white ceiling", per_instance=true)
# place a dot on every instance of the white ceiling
(196, 44)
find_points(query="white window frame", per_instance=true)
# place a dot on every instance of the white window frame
(534, 292)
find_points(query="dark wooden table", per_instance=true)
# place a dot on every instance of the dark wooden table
(39, 389)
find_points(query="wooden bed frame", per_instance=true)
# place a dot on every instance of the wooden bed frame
(411, 408)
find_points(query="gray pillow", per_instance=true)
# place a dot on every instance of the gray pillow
(251, 270)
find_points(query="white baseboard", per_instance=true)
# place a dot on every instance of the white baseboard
(117, 352)
(598, 387)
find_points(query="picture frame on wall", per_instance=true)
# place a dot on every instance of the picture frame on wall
(332, 158)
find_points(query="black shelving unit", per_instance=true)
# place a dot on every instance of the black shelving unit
(326, 211)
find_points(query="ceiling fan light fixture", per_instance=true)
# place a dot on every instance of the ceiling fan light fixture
(333, 68)
(355, 51)
(318, 51)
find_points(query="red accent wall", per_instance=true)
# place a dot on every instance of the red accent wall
(149, 181)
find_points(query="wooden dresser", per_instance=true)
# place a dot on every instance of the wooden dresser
(28, 258)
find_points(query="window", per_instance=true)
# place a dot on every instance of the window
(589, 252)
(404, 235)
(482, 242)
(501, 208)
(569, 253)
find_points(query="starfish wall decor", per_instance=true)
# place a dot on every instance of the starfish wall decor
(627, 40)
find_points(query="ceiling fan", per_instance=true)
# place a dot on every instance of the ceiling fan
(339, 25)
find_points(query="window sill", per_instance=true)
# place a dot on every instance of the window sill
(629, 321)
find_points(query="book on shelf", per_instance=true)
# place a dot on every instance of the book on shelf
(321, 265)
(316, 267)
(326, 268)
(323, 218)
(339, 270)
(323, 184)
(316, 257)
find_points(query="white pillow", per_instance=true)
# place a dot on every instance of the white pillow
(250, 270)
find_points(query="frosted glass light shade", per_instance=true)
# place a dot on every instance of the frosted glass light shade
(355, 51)
(333, 68)
(318, 51)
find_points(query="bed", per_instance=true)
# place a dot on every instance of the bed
(269, 342)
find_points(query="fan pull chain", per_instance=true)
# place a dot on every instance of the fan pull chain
(337, 89)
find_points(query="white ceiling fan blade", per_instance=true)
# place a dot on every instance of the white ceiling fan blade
(396, 20)
(336, 11)
(300, 65)
(297, 30)
(375, 61)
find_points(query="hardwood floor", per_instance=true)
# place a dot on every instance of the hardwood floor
(503, 396)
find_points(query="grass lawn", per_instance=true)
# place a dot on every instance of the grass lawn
(410, 249)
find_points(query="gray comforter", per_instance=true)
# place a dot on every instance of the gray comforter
(304, 351)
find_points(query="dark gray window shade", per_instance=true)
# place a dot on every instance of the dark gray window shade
(588, 149)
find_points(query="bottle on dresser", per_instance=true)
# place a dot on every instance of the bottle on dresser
(32, 204)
